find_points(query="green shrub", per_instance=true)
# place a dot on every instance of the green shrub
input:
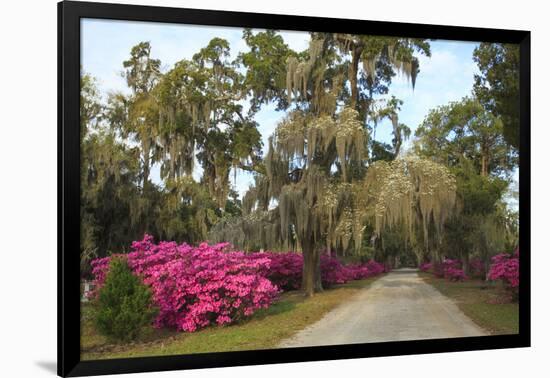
(124, 303)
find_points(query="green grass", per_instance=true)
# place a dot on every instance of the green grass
(264, 330)
(480, 301)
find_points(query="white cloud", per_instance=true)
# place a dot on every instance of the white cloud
(296, 40)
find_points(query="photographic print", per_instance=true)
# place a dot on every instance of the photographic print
(248, 189)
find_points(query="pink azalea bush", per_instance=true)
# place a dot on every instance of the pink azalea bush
(333, 272)
(366, 270)
(454, 274)
(359, 271)
(449, 269)
(426, 266)
(477, 268)
(505, 267)
(285, 269)
(194, 287)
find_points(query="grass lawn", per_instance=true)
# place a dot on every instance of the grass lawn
(479, 300)
(264, 330)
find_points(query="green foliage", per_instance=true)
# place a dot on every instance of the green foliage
(265, 64)
(478, 194)
(141, 70)
(124, 303)
(465, 130)
(497, 85)
(90, 103)
(469, 139)
(108, 194)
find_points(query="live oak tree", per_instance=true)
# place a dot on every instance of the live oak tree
(416, 194)
(374, 62)
(319, 191)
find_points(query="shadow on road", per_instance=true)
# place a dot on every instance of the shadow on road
(404, 271)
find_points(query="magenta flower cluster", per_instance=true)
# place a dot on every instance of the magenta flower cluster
(426, 266)
(477, 268)
(285, 269)
(453, 271)
(449, 268)
(366, 270)
(194, 287)
(505, 267)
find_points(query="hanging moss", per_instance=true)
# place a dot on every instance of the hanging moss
(402, 186)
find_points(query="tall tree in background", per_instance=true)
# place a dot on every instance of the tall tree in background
(142, 72)
(497, 85)
(230, 137)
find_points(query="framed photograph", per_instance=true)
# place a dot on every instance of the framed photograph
(240, 188)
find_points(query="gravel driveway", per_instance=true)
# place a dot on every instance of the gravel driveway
(398, 306)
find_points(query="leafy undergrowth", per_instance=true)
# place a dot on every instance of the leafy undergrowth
(482, 302)
(263, 330)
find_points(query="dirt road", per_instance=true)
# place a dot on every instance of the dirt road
(398, 306)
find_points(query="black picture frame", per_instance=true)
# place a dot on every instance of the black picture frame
(69, 15)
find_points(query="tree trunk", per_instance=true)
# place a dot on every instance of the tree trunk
(485, 156)
(354, 69)
(318, 283)
(172, 174)
(388, 263)
(487, 266)
(311, 274)
(436, 258)
(483, 166)
(465, 263)
(146, 173)
(146, 163)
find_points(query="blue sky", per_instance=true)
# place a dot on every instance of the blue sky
(447, 76)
